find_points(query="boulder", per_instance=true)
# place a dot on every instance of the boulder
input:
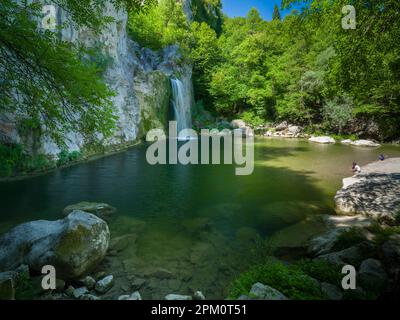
(198, 295)
(79, 292)
(7, 285)
(119, 244)
(105, 284)
(102, 210)
(372, 275)
(264, 292)
(238, 124)
(73, 245)
(373, 192)
(353, 255)
(322, 140)
(365, 143)
(294, 130)
(331, 291)
(88, 282)
(346, 141)
(173, 296)
(70, 291)
(134, 296)
(336, 225)
(281, 126)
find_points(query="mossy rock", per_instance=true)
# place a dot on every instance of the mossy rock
(73, 245)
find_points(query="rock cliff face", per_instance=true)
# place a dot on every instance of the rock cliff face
(139, 77)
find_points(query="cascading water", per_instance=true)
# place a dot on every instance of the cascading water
(181, 102)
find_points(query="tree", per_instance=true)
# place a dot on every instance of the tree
(276, 15)
(338, 112)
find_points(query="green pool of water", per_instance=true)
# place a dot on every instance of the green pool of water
(194, 227)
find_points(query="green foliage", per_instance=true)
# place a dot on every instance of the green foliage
(252, 119)
(321, 270)
(65, 157)
(209, 12)
(382, 233)
(276, 15)
(10, 157)
(307, 69)
(13, 161)
(349, 238)
(397, 217)
(338, 112)
(288, 279)
(163, 25)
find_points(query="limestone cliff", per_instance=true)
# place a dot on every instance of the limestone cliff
(139, 77)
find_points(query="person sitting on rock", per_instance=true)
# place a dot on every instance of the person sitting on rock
(356, 168)
(382, 157)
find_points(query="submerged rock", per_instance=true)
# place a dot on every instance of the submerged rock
(73, 245)
(264, 292)
(121, 243)
(105, 284)
(322, 140)
(173, 296)
(88, 282)
(102, 210)
(79, 292)
(134, 296)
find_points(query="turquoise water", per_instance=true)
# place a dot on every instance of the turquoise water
(201, 223)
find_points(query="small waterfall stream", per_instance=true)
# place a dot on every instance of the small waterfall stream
(181, 102)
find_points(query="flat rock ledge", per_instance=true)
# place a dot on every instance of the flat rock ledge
(373, 193)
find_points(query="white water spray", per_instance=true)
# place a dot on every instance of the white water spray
(181, 102)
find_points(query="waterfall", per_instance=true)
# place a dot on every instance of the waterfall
(181, 102)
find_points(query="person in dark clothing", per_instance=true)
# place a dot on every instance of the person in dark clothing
(382, 157)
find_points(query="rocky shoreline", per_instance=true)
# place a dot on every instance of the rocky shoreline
(365, 234)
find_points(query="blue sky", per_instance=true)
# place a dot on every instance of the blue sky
(240, 8)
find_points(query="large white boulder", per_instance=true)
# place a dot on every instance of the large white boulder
(238, 124)
(73, 245)
(323, 140)
(365, 143)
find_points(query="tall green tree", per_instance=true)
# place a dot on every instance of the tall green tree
(276, 14)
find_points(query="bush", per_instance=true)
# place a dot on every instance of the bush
(381, 233)
(321, 270)
(65, 157)
(252, 119)
(293, 282)
(10, 157)
(37, 163)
